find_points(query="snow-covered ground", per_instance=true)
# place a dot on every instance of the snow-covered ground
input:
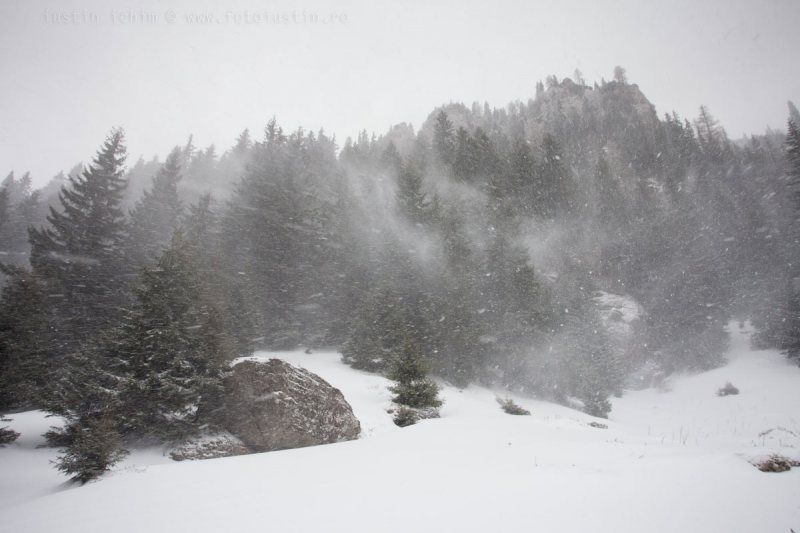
(671, 460)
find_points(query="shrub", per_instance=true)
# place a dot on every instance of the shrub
(597, 405)
(512, 408)
(728, 390)
(7, 436)
(405, 417)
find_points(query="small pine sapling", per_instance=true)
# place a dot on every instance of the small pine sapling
(94, 449)
(405, 417)
(728, 390)
(512, 408)
(413, 388)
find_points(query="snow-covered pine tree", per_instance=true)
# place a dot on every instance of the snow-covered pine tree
(411, 200)
(23, 215)
(374, 329)
(79, 256)
(19, 209)
(276, 233)
(220, 283)
(456, 321)
(591, 370)
(409, 371)
(170, 349)
(157, 214)
(610, 202)
(443, 139)
(522, 178)
(24, 365)
(791, 335)
(554, 181)
(5, 211)
(93, 449)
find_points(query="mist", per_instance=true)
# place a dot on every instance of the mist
(559, 239)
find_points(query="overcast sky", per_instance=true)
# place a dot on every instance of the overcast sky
(73, 69)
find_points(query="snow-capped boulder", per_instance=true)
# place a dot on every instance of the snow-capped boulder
(272, 405)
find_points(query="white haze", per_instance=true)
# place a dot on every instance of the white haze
(70, 72)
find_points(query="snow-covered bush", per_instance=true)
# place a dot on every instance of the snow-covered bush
(728, 390)
(512, 408)
(405, 416)
(7, 436)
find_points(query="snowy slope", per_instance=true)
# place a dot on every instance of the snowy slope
(669, 462)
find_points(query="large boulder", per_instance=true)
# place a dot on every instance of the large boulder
(272, 405)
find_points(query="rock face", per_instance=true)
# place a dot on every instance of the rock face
(272, 405)
(209, 447)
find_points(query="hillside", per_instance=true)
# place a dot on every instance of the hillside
(671, 460)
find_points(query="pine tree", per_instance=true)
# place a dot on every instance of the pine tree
(93, 449)
(18, 189)
(457, 305)
(201, 227)
(791, 336)
(19, 209)
(157, 374)
(375, 331)
(273, 134)
(589, 369)
(443, 140)
(711, 137)
(490, 169)
(413, 388)
(243, 142)
(793, 157)
(610, 203)
(200, 173)
(554, 185)
(278, 234)
(391, 160)
(24, 368)
(8, 182)
(5, 211)
(171, 349)
(689, 307)
(599, 373)
(466, 157)
(79, 256)
(157, 214)
(200, 224)
(522, 169)
(23, 216)
(411, 199)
